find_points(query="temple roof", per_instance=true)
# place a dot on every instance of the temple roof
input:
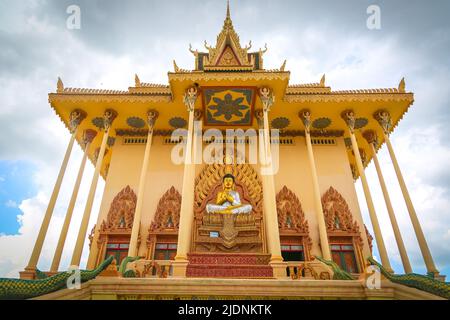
(215, 72)
(228, 54)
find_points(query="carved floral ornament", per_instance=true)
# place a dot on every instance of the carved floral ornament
(290, 213)
(338, 217)
(121, 213)
(167, 214)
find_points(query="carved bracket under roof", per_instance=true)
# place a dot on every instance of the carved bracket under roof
(121, 213)
(167, 216)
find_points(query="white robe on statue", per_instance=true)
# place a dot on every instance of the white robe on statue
(244, 208)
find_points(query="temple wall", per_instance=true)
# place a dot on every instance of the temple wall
(294, 172)
(333, 170)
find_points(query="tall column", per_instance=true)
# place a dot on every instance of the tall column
(269, 196)
(108, 119)
(133, 251)
(384, 119)
(187, 195)
(89, 135)
(371, 138)
(349, 118)
(76, 117)
(305, 115)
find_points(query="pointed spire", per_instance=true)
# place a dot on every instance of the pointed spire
(59, 86)
(228, 21)
(322, 81)
(137, 81)
(175, 66)
(401, 86)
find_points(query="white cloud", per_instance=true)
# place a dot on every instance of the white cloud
(11, 204)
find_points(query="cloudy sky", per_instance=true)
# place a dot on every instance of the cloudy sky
(120, 38)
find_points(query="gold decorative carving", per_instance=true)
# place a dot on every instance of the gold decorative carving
(238, 232)
(290, 213)
(338, 217)
(167, 216)
(291, 220)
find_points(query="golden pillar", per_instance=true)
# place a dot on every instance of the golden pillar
(187, 196)
(76, 117)
(305, 115)
(108, 119)
(269, 196)
(133, 250)
(384, 119)
(371, 138)
(88, 137)
(349, 118)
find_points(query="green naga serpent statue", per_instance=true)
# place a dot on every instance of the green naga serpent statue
(127, 273)
(18, 289)
(418, 281)
(338, 273)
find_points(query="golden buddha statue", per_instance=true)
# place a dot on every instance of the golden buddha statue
(228, 200)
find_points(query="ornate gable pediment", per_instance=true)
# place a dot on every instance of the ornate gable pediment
(167, 216)
(338, 217)
(290, 213)
(121, 213)
(228, 54)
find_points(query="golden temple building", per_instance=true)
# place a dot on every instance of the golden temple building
(272, 215)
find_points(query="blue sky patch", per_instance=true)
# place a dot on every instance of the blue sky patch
(16, 185)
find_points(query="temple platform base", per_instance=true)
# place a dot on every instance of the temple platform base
(114, 288)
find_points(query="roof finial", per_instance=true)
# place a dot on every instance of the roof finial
(228, 18)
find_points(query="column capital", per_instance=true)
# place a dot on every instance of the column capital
(88, 136)
(190, 97)
(108, 118)
(305, 116)
(371, 137)
(259, 115)
(152, 116)
(349, 117)
(267, 98)
(384, 119)
(76, 117)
